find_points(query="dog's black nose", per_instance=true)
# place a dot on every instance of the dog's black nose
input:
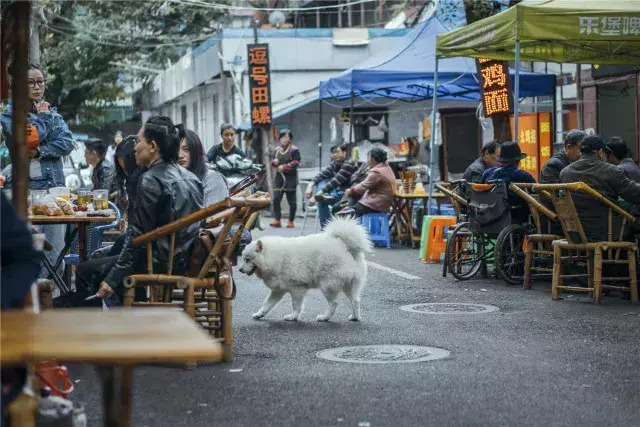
(242, 270)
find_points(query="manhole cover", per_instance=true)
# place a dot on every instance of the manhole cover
(383, 354)
(449, 308)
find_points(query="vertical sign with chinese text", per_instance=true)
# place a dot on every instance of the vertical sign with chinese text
(534, 140)
(259, 84)
(495, 88)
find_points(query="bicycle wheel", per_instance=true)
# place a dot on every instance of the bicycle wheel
(509, 254)
(465, 251)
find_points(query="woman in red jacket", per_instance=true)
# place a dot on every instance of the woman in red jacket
(378, 188)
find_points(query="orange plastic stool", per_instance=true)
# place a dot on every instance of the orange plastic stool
(436, 242)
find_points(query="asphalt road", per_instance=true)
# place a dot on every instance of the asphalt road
(533, 362)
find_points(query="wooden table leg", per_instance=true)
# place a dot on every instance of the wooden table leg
(409, 205)
(82, 242)
(117, 402)
(110, 405)
(126, 396)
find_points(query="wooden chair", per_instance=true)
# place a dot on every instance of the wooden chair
(213, 284)
(538, 246)
(576, 246)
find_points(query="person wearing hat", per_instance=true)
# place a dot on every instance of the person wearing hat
(510, 156)
(550, 173)
(488, 159)
(607, 179)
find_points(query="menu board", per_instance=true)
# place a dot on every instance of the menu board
(534, 140)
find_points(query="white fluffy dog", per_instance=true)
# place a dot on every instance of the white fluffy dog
(333, 261)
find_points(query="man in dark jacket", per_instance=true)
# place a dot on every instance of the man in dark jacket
(166, 192)
(605, 178)
(488, 159)
(332, 181)
(618, 154)
(103, 172)
(550, 173)
(510, 156)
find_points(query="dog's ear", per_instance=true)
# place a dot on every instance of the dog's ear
(259, 246)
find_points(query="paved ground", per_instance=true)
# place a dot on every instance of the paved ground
(533, 362)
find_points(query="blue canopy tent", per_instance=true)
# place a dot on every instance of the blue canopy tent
(408, 73)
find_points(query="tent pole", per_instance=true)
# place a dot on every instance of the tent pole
(432, 145)
(554, 118)
(319, 132)
(516, 93)
(351, 123)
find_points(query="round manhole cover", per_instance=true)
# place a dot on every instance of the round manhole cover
(383, 354)
(449, 308)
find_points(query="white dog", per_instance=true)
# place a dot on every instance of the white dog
(333, 261)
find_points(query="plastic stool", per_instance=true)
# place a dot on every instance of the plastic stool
(424, 232)
(436, 242)
(378, 226)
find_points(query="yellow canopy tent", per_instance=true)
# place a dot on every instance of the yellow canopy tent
(569, 31)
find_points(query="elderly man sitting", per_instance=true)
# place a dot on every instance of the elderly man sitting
(605, 178)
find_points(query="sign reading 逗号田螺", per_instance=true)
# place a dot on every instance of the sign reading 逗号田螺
(259, 84)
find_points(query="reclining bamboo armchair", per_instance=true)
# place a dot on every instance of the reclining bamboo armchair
(539, 244)
(206, 297)
(576, 245)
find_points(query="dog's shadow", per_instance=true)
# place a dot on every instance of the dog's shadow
(284, 325)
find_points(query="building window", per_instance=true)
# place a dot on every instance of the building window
(195, 117)
(183, 115)
(371, 124)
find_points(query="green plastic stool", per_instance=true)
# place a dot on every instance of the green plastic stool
(424, 233)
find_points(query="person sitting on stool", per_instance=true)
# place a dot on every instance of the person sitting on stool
(378, 188)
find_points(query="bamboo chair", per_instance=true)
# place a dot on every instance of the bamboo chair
(214, 282)
(456, 200)
(576, 246)
(539, 244)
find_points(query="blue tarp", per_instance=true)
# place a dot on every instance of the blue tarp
(406, 72)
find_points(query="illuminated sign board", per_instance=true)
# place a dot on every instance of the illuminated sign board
(259, 84)
(495, 88)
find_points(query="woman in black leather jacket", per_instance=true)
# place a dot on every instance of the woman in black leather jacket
(165, 193)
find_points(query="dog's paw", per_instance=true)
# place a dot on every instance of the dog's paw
(258, 315)
(322, 318)
(291, 317)
(354, 318)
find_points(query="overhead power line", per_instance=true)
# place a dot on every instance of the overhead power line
(282, 9)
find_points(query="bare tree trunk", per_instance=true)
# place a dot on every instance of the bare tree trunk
(35, 21)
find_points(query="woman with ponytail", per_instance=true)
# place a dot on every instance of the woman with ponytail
(165, 193)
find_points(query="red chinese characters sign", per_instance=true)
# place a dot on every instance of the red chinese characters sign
(259, 84)
(534, 140)
(495, 89)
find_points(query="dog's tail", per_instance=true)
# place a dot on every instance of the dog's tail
(351, 233)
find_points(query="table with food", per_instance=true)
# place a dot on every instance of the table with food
(81, 210)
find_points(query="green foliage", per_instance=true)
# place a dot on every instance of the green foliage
(82, 39)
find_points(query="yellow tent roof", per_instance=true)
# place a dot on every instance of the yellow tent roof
(572, 31)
